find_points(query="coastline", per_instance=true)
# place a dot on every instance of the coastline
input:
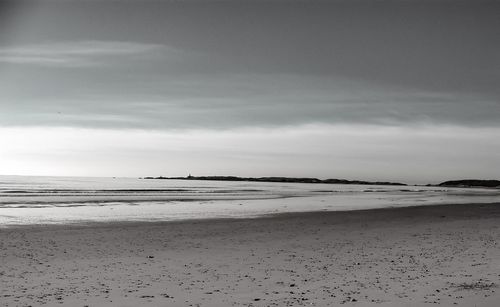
(410, 256)
(53, 201)
(342, 215)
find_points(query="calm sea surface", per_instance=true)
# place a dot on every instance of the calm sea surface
(49, 200)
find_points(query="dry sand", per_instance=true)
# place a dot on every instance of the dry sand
(422, 256)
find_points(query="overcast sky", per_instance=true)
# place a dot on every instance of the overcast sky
(363, 89)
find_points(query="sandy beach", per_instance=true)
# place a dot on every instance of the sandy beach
(420, 256)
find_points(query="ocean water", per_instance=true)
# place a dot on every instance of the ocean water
(55, 200)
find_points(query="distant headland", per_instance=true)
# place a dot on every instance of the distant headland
(279, 179)
(471, 183)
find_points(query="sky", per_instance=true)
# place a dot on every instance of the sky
(399, 90)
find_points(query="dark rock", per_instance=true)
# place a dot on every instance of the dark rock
(471, 183)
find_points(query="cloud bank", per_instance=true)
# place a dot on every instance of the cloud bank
(74, 54)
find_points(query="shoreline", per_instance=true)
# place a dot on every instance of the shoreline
(379, 212)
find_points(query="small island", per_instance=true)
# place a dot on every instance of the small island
(471, 183)
(278, 179)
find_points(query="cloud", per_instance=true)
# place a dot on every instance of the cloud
(75, 54)
(227, 101)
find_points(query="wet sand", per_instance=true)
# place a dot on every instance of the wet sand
(421, 256)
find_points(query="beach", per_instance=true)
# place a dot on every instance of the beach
(445, 255)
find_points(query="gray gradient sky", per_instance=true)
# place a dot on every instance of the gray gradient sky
(405, 90)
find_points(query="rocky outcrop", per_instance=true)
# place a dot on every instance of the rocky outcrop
(471, 183)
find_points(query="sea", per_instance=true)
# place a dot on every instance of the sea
(27, 200)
